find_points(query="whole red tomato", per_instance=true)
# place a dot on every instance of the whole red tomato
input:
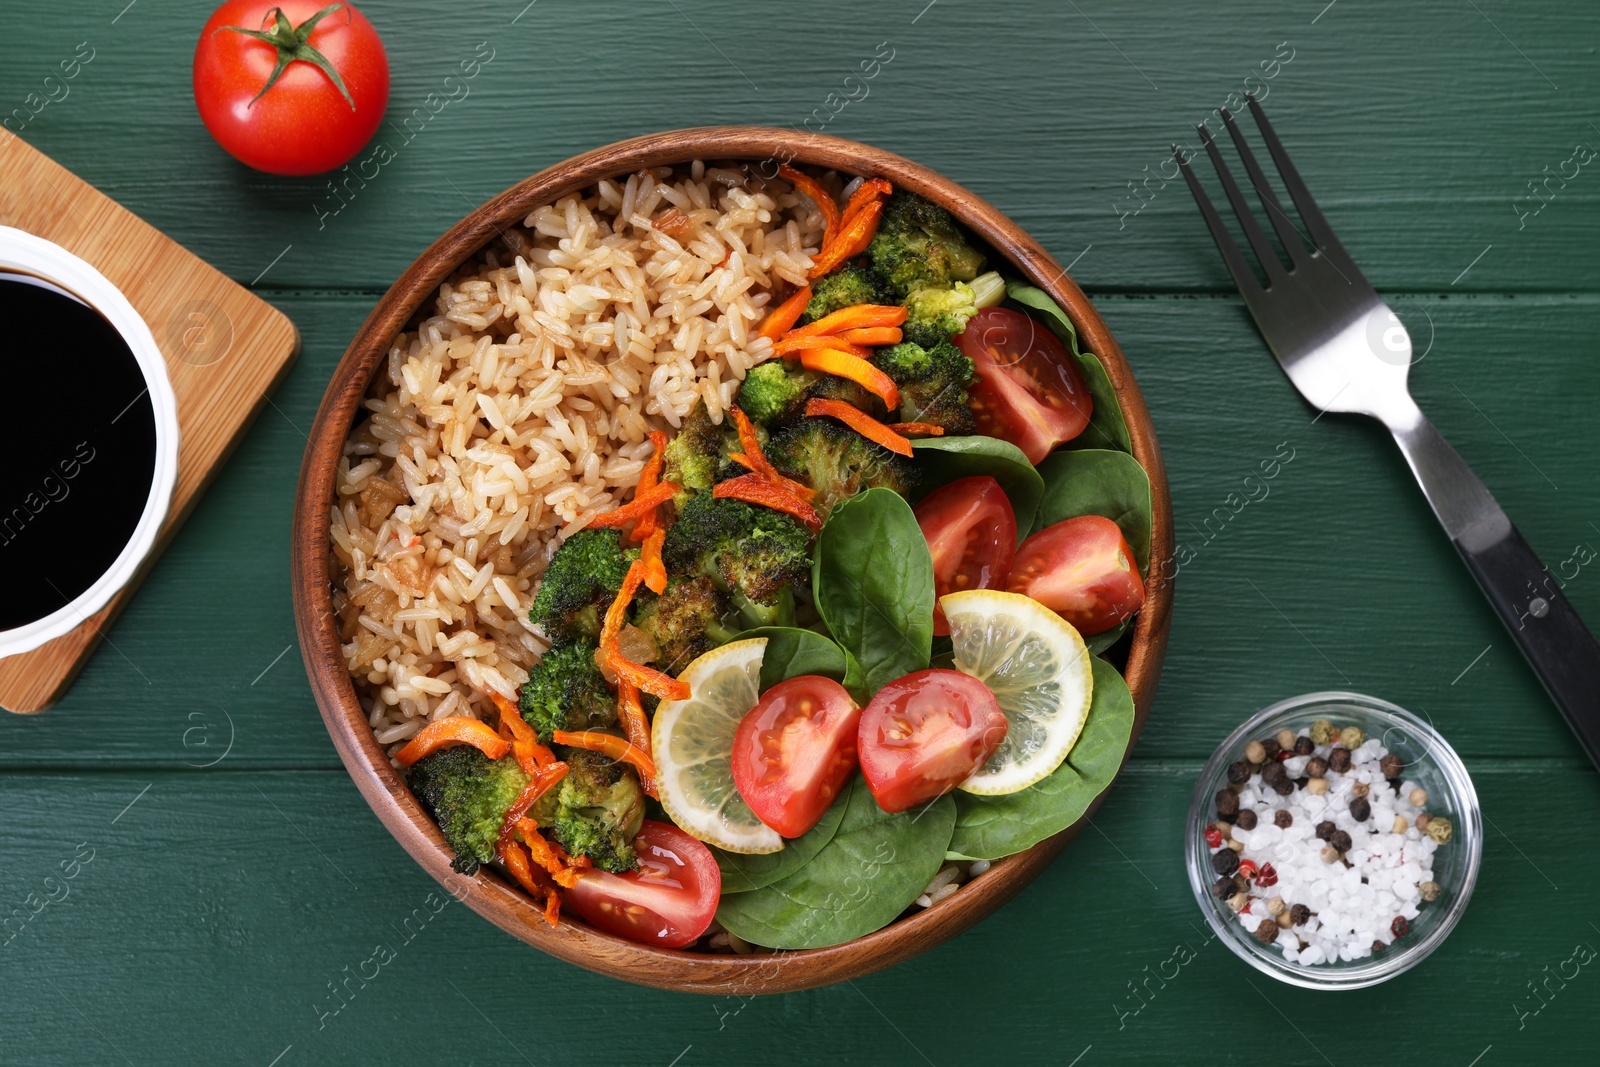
(294, 87)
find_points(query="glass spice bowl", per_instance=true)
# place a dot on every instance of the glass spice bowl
(1430, 762)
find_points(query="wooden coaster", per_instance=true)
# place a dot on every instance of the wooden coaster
(225, 351)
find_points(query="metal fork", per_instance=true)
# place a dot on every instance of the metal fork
(1346, 351)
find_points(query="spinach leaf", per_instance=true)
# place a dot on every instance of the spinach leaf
(1103, 640)
(991, 827)
(1097, 481)
(873, 580)
(1107, 428)
(742, 873)
(873, 868)
(792, 652)
(941, 460)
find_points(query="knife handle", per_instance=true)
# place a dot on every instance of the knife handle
(1530, 600)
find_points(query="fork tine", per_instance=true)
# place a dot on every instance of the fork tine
(1241, 208)
(1321, 233)
(1243, 276)
(1293, 241)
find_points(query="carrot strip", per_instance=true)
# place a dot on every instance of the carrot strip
(861, 423)
(456, 730)
(655, 571)
(562, 868)
(872, 336)
(642, 504)
(752, 458)
(869, 191)
(854, 237)
(925, 429)
(858, 370)
(618, 611)
(792, 345)
(649, 478)
(783, 317)
(541, 784)
(854, 317)
(611, 745)
(630, 709)
(808, 185)
(799, 489)
(531, 755)
(656, 683)
(758, 488)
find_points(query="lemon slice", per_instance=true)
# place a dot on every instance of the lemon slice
(692, 744)
(1038, 667)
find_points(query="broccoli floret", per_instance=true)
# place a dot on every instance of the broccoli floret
(595, 811)
(856, 282)
(751, 552)
(936, 315)
(836, 461)
(468, 794)
(770, 391)
(919, 245)
(583, 577)
(566, 691)
(690, 618)
(933, 383)
(696, 457)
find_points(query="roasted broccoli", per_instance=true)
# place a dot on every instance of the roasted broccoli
(566, 691)
(583, 577)
(595, 811)
(936, 315)
(776, 390)
(856, 282)
(468, 794)
(836, 461)
(933, 383)
(692, 617)
(752, 552)
(696, 457)
(919, 245)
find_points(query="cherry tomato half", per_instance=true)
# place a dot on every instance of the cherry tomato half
(972, 534)
(303, 124)
(669, 901)
(1030, 390)
(1083, 570)
(925, 734)
(794, 750)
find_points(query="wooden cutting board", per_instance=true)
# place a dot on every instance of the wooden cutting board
(226, 350)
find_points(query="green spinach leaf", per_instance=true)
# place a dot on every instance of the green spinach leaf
(742, 873)
(991, 827)
(873, 581)
(792, 652)
(1098, 481)
(873, 868)
(1107, 428)
(944, 459)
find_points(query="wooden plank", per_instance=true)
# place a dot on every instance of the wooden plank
(224, 348)
(1420, 155)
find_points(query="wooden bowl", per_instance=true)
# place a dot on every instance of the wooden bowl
(487, 892)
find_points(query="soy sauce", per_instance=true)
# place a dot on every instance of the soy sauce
(81, 431)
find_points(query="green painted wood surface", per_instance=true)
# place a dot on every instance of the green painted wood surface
(218, 908)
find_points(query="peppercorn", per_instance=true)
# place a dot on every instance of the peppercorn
(1360, 789)
(1379, 948)
(1247, 820)
(1283, 921)
(1325, 829)
(1322, 732)
(1267, 877)
(1316, 766)
(1241, 884)
(1239, 772)
(1421, 822)
(1239, 901)
(1213, 836)
(1285, 738)
(1227, 802)
(1222, 888)
(1303, 746)
(1317, 786)
(1283, 788)
(1418, 797)
(1267, 932)
(1339, 840)
(1300, 782)
(1351, 737)
(1429, 890)
(1299, 914)
(1329, 854)
(1392, 765)
(1282, 819)
(1276, 906)
(1439, 829)
(1399, 825)
(1225, 862)
(1270, 746)
(1255, 752)
(1236, 844)
(1273, 773)
(1360, 809)
(1399, 928)
(1339, 760)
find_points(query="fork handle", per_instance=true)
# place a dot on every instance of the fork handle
(1528, 598)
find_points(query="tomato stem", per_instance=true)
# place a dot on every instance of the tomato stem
(292, 43)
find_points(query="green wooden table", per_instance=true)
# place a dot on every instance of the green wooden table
(226, 875)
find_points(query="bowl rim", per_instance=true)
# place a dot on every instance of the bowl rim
(383, 787)
(1469, 833)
